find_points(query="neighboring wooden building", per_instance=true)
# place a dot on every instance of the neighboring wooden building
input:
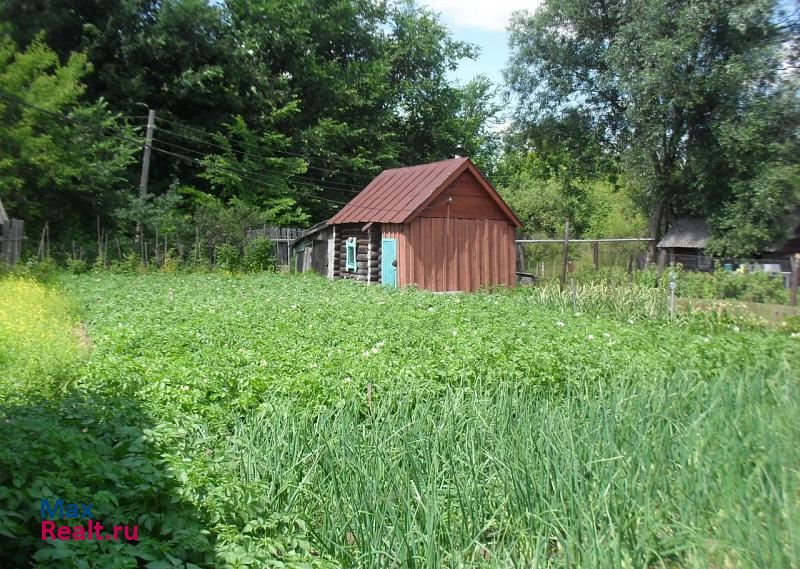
(685, 243)
(439, 226)
(686, 240)
(10, 237)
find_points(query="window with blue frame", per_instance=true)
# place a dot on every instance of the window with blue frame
(351, 255)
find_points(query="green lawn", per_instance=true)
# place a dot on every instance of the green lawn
(268, 419)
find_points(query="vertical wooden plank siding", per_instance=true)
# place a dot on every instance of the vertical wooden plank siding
(427, 256)
(415, 237)
(503, 254)
(397, 231)
(512, 252)
(486, 270)
(462, 254)
(473, 281)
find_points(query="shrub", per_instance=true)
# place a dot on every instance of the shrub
(739, 285)
(259, 255)
(77, 266)
(172, 262)
(44, 270)
(717, 285)
(128, 265)
(227, 257)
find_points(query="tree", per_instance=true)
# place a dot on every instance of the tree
(61, 160)
(759, 148)
(479, 123)
(655, 80)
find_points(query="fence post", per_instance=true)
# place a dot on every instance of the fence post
(596, 254)
(662, 261)
(795, 264)
(574, 299)
(672, 286)
(565, 260)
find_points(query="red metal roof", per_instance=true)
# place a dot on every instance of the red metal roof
(396, 195)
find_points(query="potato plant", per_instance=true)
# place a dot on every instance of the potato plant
(276, 420)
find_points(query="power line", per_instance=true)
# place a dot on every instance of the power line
(248, 174)
(94, 128)
(244, 153)
(315, 181)
(252, 145)
(245, 174)
(63, 116)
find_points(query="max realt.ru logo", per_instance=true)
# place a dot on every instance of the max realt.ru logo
(73, 511)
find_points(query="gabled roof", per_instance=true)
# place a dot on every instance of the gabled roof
(687, 232)
(399, 194)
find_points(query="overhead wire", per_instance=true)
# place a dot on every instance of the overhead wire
(245, 174)
(292, 177)
(248, 144)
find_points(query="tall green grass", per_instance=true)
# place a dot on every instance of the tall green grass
(599, 297)
(665, 473)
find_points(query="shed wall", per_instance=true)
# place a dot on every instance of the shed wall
(446, 254)
(470, 201)
(367, 253)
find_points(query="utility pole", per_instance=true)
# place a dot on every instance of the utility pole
(148, 143)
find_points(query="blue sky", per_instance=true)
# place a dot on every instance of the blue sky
(481, 22)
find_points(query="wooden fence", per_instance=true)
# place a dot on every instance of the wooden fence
(11, 240)
(281, 236)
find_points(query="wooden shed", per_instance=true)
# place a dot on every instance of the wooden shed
(685, 243)
(439, 226)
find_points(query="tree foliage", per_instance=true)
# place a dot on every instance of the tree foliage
(56, 161)
(303, 101)
(660, 84)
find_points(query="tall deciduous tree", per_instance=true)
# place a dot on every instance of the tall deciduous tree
(661, 82)
(59, 160)
(367, 81)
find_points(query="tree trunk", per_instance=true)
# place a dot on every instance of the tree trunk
(656, 219)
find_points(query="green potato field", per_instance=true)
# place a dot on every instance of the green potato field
(287, 421)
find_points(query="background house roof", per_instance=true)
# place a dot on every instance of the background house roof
(396, 195)
(687, 232)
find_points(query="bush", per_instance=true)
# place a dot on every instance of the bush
(717, 285)
(739, 285)
(77, 266)
(128, 265)
(227, 257)
(172, 262)
(259, 255)
(43, 271)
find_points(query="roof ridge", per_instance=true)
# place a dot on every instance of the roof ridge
(427, 164)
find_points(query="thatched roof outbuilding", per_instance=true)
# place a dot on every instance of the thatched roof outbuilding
(687, 233)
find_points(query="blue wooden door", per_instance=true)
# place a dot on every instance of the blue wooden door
(389, 262)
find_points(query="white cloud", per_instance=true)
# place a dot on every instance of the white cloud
(491, 15)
